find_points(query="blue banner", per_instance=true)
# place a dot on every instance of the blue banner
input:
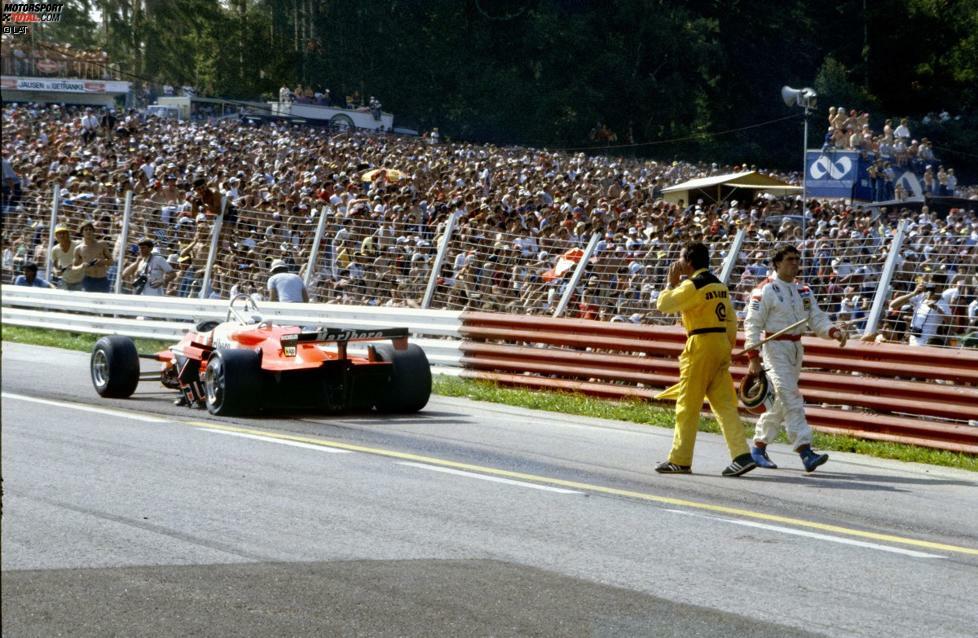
(832, 173)
(847, 174)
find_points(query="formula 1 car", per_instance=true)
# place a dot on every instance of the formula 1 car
(245, 363)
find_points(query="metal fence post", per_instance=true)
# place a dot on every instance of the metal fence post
(314, 253)
(55, 209)
(333, 271)
(578, 273)
(212, 253)
(886, 277)
(121, 263)
(731, 261)
(429, 292)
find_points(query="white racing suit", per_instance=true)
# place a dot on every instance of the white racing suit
(774, 305)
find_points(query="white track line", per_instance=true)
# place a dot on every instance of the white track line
(484, 477)
(122, 414)
(308, 446)
(816, 535)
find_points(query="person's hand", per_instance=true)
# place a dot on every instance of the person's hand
(676, 272)
(754, 367)
(840, 333)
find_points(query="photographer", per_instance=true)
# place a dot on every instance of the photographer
(150, 273)
(930, 310)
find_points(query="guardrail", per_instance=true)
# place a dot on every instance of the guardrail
(169, 318)
(921, 396)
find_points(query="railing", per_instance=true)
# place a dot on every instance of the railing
(59, 64)
(405, 259)
(920, 396)
(169, 318)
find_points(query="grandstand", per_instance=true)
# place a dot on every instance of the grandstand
(47, 73)
(456, 225)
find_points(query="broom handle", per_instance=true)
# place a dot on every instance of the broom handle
(772, 336)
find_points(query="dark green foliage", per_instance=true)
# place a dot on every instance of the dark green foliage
(545, 72)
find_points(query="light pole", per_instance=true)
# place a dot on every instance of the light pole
(804, 98)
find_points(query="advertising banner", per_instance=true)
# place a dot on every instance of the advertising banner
(831, 173)
(64, 85)
(846, 174)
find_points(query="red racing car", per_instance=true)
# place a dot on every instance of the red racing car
(245, 364)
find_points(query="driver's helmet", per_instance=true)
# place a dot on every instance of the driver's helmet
(757, 393)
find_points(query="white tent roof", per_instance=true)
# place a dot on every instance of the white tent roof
(744, 179)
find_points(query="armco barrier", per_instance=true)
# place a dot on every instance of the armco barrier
(169, 317)
(922, 396)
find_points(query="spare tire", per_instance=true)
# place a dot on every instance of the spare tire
(232, 383)
(409, 386)
(115, 367)
(341, 123)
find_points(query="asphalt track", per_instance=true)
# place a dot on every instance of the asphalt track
(139, 518)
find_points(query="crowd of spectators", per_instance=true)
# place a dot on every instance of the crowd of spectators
(20, 58)
(519, 210)
(322, 97)
(890, 150)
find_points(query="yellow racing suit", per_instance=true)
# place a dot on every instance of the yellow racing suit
(704, 365)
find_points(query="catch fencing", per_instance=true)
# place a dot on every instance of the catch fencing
(394, 258)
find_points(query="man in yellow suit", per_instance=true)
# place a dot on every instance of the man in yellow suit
(704, 366)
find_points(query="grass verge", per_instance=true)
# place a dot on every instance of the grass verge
(83, 342)
(650, 414)
(579, 404)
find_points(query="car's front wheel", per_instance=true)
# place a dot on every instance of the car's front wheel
(232, 382)
(115, 367)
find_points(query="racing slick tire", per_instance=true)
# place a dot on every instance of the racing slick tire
(115, 367)
(232, 383)
(410, 384)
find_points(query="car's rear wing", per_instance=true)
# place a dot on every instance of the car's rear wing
(342, 336)
(349, 334)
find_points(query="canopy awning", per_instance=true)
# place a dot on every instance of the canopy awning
(712, 187)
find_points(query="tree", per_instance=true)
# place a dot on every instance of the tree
(543, 72)
(834, 87)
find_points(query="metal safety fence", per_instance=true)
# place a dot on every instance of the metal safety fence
(918, 396)
(166, 318)
(356, 254)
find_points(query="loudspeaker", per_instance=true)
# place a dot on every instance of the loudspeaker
(798, 97)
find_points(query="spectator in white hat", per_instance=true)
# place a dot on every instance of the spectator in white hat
(284, 285)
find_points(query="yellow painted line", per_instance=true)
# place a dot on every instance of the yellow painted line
(600, 489)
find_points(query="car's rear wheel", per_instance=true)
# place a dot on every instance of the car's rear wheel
(409, 387)
(115, 367)
(232, 382)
